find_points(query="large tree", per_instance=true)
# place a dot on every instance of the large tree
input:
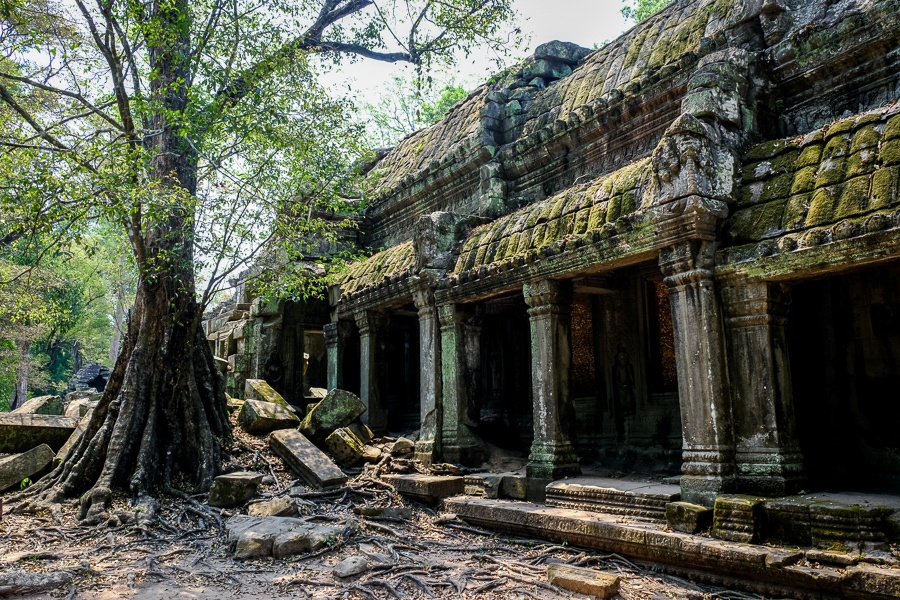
(199, 128)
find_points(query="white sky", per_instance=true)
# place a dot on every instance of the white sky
(585, 22)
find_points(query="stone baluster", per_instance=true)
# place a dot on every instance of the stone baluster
(552, 454)
(706, 418)
(767, 455)
(371, 324)
(430, 378)
(458, 442)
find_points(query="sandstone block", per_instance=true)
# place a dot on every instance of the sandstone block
(371, 454)
(82, 426)
(350, 566)
(583, 581)
(259, 389)
(22, 432)
(402, 447)
(385, 511)
(251, 537)
(687, 517)
(430, 489)
(276, 507)
(233, 489)
(304, 540)
(258, 417)
(42, 405)
(82, 406)
(361, 431)
(344, 446)
(305, 459)
(737, 518)
(337, 409)
(13, 469)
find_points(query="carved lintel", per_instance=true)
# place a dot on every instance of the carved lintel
(370, 321)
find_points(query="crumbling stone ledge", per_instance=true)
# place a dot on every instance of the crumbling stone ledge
(759, 569)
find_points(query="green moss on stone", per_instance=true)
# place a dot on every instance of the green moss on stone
(883, 184)
(552, 232)
(768, 150)
(795, 212)
(890, 152)
(598, 216)
(866, 137)
(581, 221)
(892, 129)
(854, 198)
(810, 156)
(784, 162)
(840, 128)
(804, 180)
(821, 208)
(757, 222)
(861, 163)
(537, 236)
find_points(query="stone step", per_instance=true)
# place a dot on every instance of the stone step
(637, 499)
(758, 569)
(430, 489)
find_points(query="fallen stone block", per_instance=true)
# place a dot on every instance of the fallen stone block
(42, 405)
(259, 389)
(514, 486)
(305, 459)
(737, 518)
(251, 537)
(371, 454)
(337, 409)
(402, 447)
(430, 489)
(362, 431)
(233, 489)
(31, 464)
(583, 581)
(19, 583)
(344, 447)
(276, 507)
(687, 517)
(350, 566)
(82, 406)
(259, 417)
(22, 432)
(387, 512)
(83, 423)
(317, 394)
(233, 404)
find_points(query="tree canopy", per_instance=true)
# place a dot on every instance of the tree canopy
(200, 130)
(641, 10)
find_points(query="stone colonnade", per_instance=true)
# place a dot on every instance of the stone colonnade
(733, 378)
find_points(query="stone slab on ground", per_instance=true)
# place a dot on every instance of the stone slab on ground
(22, 432)
(252, 537)
(766, 568)
(302, 456)
(640, 499)
(337, 409)
(258, 417)
(259, 389)
(41, 405)
(82, 426)
(687, 517)
(283, 506)
(430, 489)
(233, 489)
(13, 469)
(583, 581)
(81, 406)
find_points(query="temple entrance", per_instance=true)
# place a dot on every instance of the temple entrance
(844, 339)
(624, 383)
(501, 388)
(401, 374)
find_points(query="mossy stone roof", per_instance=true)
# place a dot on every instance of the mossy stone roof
(579, 211)
(393, 263)
(847, 169)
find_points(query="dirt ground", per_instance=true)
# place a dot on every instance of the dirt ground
(183, 552)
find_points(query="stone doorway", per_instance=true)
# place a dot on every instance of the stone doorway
(844, 341)
(401, 372)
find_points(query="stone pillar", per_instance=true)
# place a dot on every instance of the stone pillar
(336, 335)
(430, 374)
(706, 419)
(552, 454)
(767, 454)
(370, 324)
(459, 444)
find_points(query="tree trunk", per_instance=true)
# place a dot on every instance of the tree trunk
(163, 409)
(20, 393)
(118, 324)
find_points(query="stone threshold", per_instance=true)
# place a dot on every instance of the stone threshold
(758, 569)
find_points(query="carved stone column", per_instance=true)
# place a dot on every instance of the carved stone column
(371, 324)
(706, 419)
(430, 376)
(336, 335)
(552, 454)
(458, 442)
(767, 454)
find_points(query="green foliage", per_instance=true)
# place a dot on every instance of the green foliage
(24, 483)
(640, 10)
(408, 105)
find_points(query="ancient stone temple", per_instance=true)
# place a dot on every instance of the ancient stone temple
(676, 253)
